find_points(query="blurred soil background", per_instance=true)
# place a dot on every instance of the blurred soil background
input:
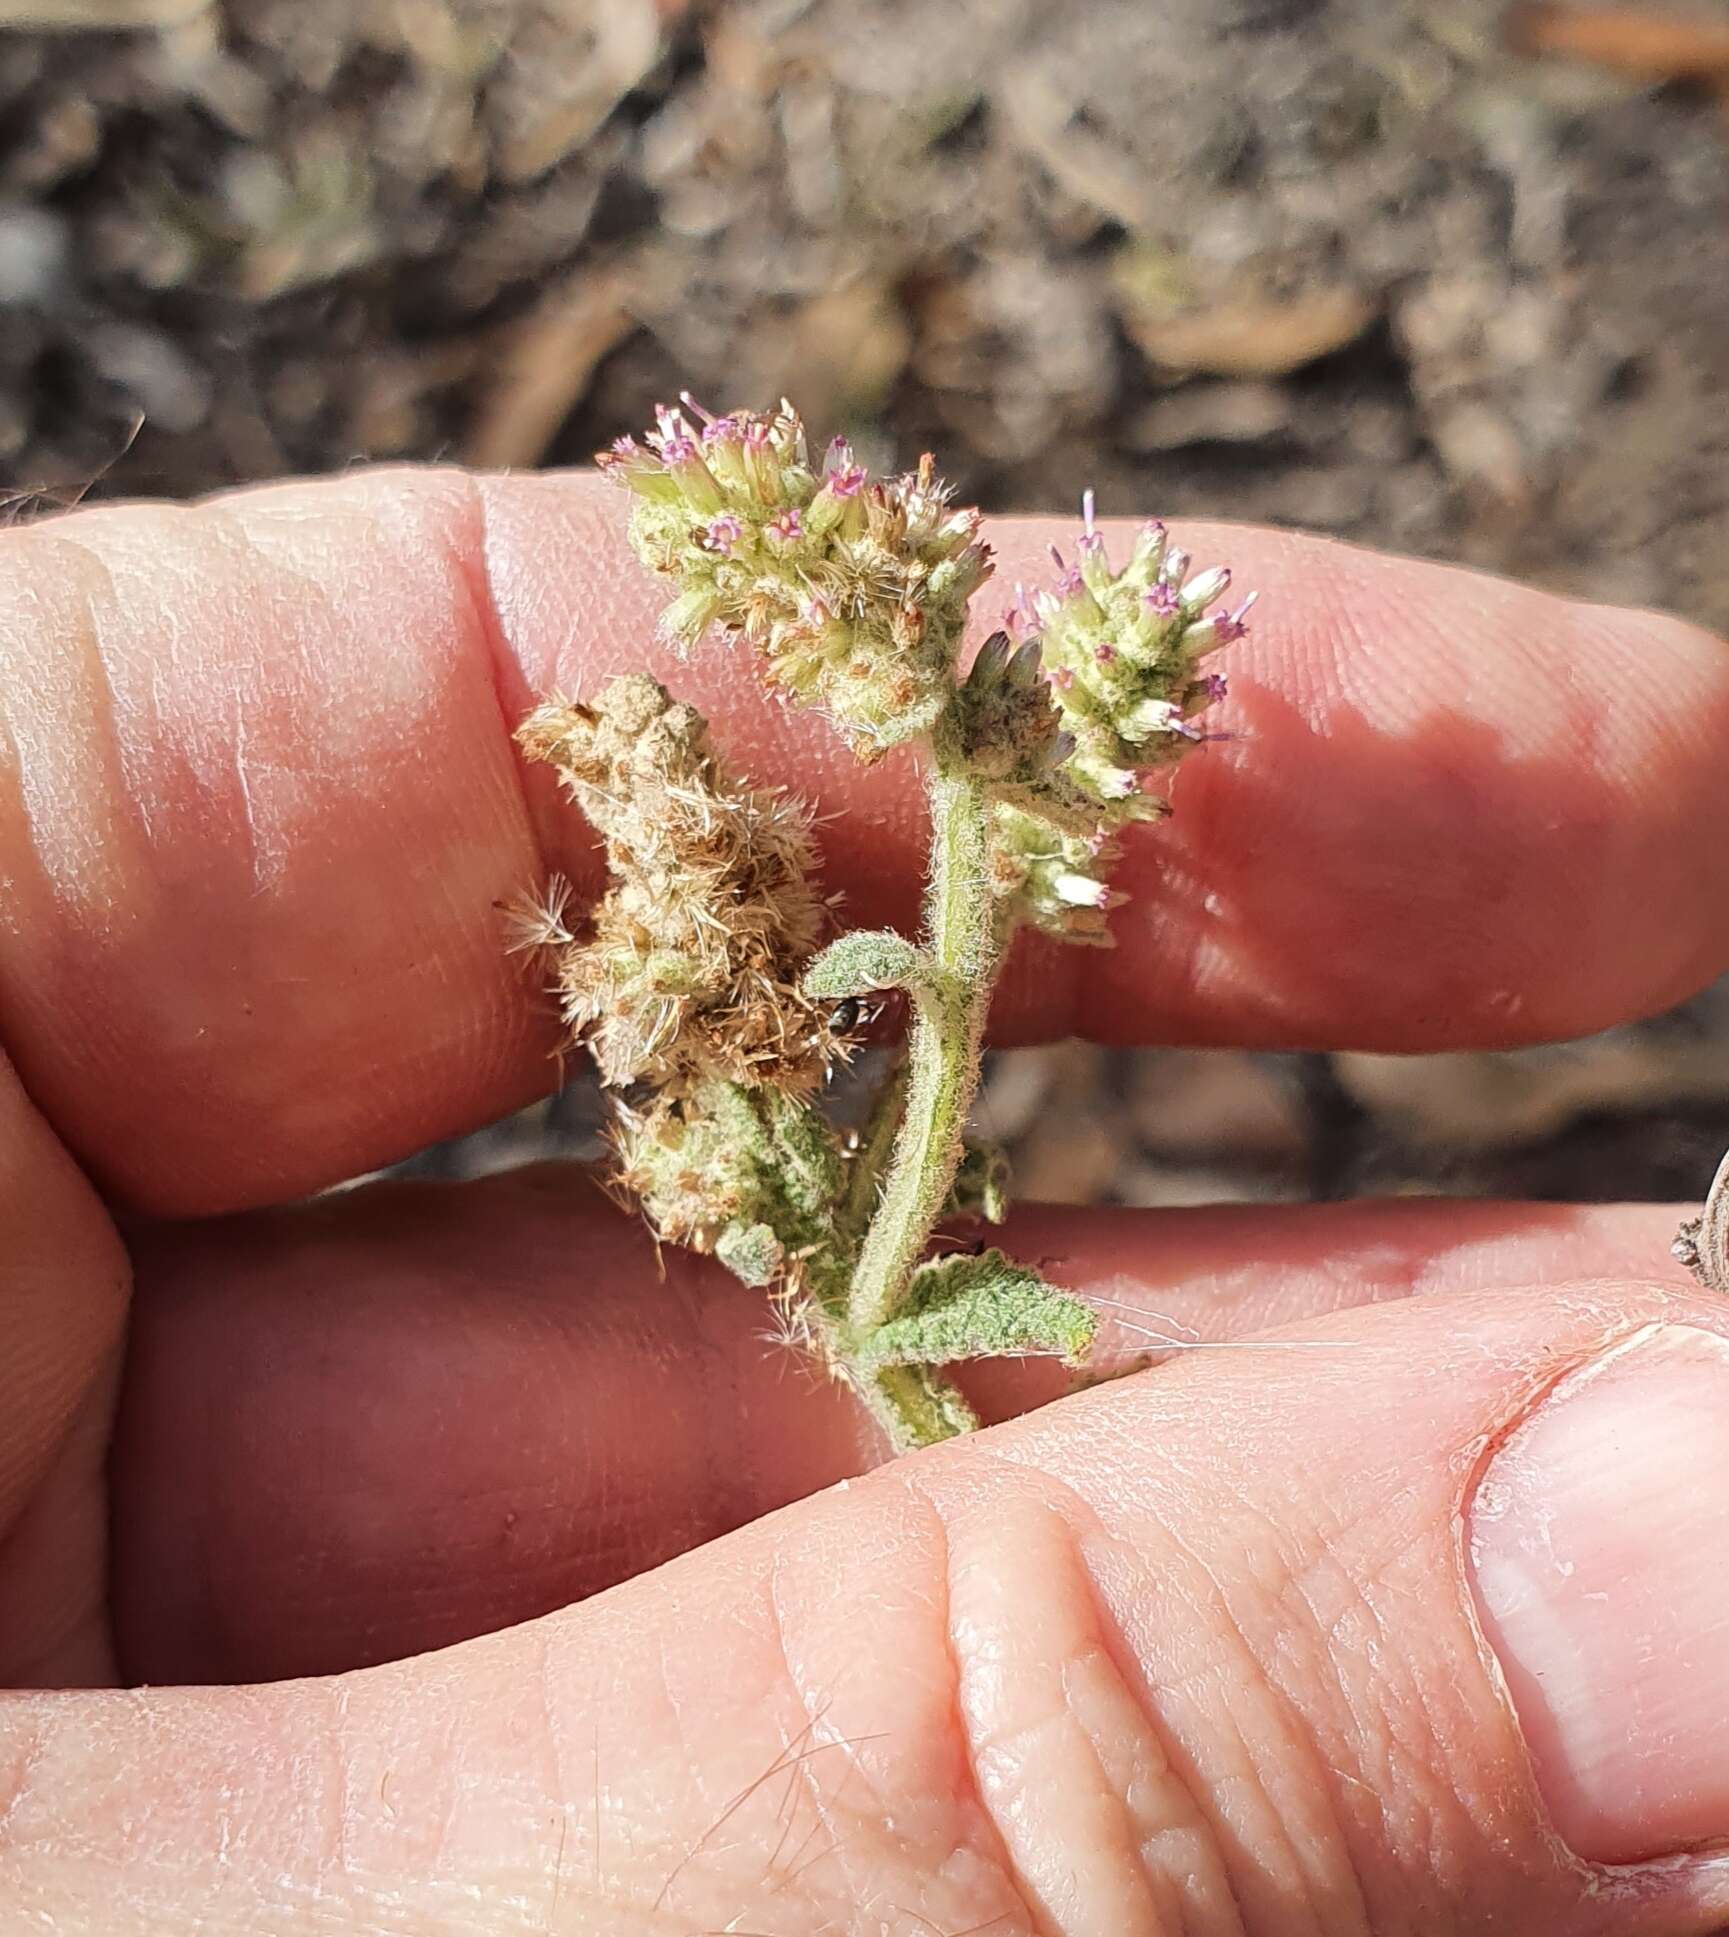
(1428, 276)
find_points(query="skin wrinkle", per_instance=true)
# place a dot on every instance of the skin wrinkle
(515, 690)
(42, 774)
(471, 565)
(1422, 1761)
(1342, 1629)
(1278, 1693)
(65, 1290)
(224, 536)
(909, 1480)
(896, 1830)
(675, 1710)
(205, 762)
(76, 1646)
(1386, 1764)
(1414, 1772)
(551, 1744)
(1213, 1793)
(814, 1709)
(1065, 1502)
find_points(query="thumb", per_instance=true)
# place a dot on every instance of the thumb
(1412, 1624)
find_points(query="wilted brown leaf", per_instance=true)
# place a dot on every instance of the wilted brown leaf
(1651, 45)
(546, 373)
(1251, 335)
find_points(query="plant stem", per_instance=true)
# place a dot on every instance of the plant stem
(868, 1162)
(964, 940)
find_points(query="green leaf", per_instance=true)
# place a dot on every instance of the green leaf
(751, 1252)
(976, 1307)
(864, 961)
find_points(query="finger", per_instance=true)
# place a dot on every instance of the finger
(1360, 1639)
(260, 803)
(63, 1284)
(403, 1416)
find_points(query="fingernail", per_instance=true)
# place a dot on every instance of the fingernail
(1599, 1540)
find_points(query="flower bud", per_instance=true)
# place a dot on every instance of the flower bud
(1082, 891)
(683, 460)
(640, 471)
(993, 657)
(836, 506)
(1023, 668)
(752, 1253)
(1202, 590)
(1149, 552)
(689, 616)
(763, 470)
(1138, 723)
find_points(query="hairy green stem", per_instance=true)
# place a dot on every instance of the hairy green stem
(964, 941)
(870, 1157)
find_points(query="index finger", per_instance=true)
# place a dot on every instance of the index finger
(259, 802)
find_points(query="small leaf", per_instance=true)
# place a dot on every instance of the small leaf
(980, 1307)
(864, 961)
(751, 1252)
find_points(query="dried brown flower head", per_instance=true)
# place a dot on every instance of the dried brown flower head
(689, 968)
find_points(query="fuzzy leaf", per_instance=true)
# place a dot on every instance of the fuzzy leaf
(864, 961)
(980, 1307)
(751, 1252)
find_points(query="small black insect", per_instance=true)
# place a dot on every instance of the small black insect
(855, 1012)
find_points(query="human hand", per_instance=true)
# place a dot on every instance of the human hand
(1403, 1617)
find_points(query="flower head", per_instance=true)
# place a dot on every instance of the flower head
(1123, 648)
(889, 565)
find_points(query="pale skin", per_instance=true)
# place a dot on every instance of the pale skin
(1192, 1653)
